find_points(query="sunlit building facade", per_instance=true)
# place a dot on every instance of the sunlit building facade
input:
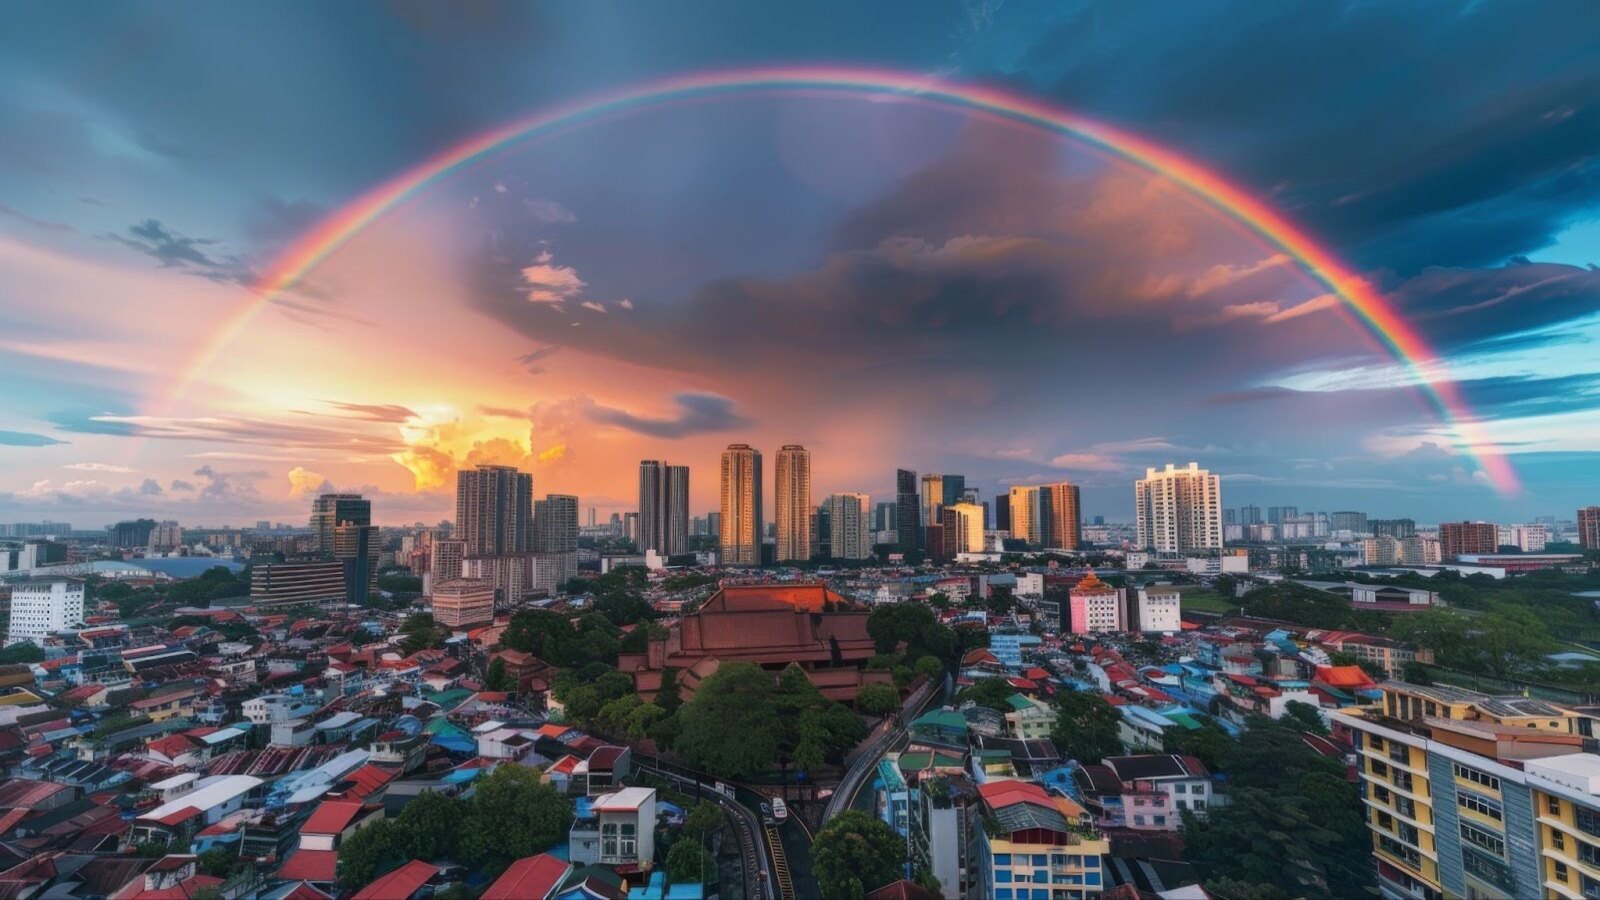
(741, 521)
(1178, 510)
(792, 487)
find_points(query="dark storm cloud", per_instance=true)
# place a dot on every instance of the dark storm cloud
(697, 414)
(175, 250)
(1413, 134)
(1456, 308)
(1500, 397)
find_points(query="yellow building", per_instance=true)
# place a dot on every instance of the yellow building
(1466, 793)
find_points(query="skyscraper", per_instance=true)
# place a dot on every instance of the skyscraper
(1276, 514)
(1348, 520)
(1023, 514)
(932, 500)
(1177, 510)
(1047, 515)
(663, 508)
(849, 532)
(883, 518)
(357, 546)
(963, 528)
(555, 524)
(1250, 514)
(792, 489)
(741, 519)
(494, 510)
(907, 511)
(955, 490)
(329, 511)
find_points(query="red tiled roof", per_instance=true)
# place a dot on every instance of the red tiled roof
(1344, 676)
(310, 865)
(399, 884)
(181, 891)
(332, 817)
(530, 878)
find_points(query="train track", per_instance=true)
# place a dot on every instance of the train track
(866, 762)
(780, 863)
(746, 827)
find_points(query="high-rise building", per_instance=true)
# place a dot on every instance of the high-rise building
(1589, 528)
(1230, 516)
(1250, 514)
(1061, 516)
(135, 533)
(1399, 529)
(849, 532)
(932, 500)
(955, 490)
(591, 516)
(329, 511)
(1529, 538)
(714, 524)
(963, 529)
(883, 517)
(494, 510)
(167, 535)
(792, 492)
(1002, 513)
(1276, 514)
(357, 546)
(663, 508)
(444, 562)
(1346, 520)
(742, 523)
(555, 524)
(1178, 510)
(907, 511)
(1456, 538)
(1023, 515)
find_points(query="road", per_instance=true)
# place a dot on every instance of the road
(747, 826)
(861, 769)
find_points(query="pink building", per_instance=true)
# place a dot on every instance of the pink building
(1095, 607)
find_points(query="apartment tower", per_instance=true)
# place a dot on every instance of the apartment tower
(1178, 510)
(741, 522)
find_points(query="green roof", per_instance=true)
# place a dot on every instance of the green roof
(941, 718)
(916, 762)
(1018, 701)
(1181, 718)
(447, 699)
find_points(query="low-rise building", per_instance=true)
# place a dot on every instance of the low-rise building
(616, 829)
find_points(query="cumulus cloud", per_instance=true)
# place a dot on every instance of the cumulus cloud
(179, 485)
(304, 482)
(150, 488)
(548, 282)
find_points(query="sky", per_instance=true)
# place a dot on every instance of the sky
(892, 282)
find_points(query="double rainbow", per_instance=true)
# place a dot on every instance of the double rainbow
(1384, 322)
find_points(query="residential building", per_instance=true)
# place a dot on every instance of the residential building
(1276, 515)
(1184, 779)
(1178, 510)
(1047, 515)
(44, 606)
(555, 523)
(1250, 514)
(444, 561)
(329, 511)
(1037, 844)
(931, 503)
(357, 546)
(792, 493)
(1468, 794)
(463, 603)
(1095, 607)
(1399, 529)
(1345, 520)
(494, 510)
(663, 508)
(742, 522)
(617, 829)
(1158, 610)
(1527, 538)
(907, 511)
(1457, 538)
(850, 533)
(1589, 528)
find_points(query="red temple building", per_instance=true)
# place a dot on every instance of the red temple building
(771, 625)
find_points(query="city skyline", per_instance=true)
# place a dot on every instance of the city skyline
(724, 252)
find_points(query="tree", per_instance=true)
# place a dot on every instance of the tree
(1087, 727)
(1208, 743)
(216, 862)
(704, 820)
(430, 826)
(1000, 602)
(1305, 717)
(877, 699)
(497, 679)
(912, 624)
(687, 863)
(371, 850)
(21, 652)
(731, 727)
(856, 853)
(420, 632)
(513, 815)
(931, 666)
(994, 692)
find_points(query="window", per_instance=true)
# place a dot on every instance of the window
(1561, 871)
(1487, 840)
(608, 839)
(1002, 876)
(1040, 859)
(1558, 840)
(1552, 805)
(1180, 788)
(630, 840)
(1002, 859)
(1480, 805)
(1199, 805)
(1476, 777)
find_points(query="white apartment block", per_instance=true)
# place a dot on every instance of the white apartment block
(1178, 510)
(42, 608)
(1527, 538)
(1159, 610)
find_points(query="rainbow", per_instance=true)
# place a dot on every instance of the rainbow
(1385, 323)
